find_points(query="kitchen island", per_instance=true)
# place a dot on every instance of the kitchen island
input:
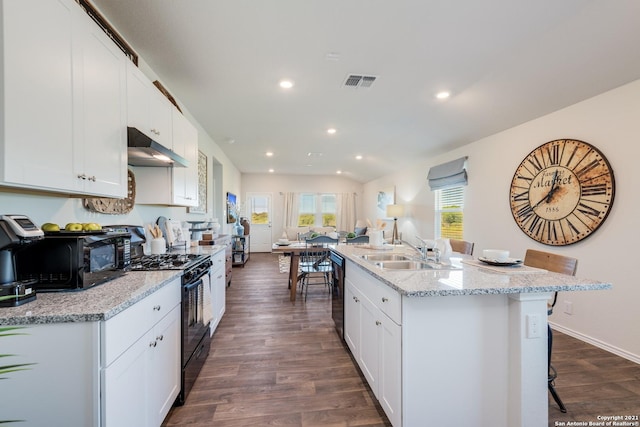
(463, 344)
(108, 355)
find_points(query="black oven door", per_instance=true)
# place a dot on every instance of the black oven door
(193, 326)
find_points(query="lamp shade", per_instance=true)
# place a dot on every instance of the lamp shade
(395, 211)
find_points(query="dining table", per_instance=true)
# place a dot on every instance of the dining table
(293, 249)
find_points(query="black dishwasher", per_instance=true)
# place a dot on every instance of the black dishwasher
(337, 295)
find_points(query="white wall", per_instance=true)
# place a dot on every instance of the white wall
(276, 185)
(611, 122)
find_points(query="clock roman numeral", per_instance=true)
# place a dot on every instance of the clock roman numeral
(587, 168)
(535, 162)
(521, 197)
(525, 212)
(554, 154)
(588, 210)
(594, 190)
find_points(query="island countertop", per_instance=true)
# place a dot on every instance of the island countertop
(470, 277)
(97, 303)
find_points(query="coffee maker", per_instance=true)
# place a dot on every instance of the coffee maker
(16, 232)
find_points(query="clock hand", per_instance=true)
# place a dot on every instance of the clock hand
(554, 187)
(547, 197)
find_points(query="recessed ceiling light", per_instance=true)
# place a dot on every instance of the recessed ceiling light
(312, 154)
(338, 172)
(286, 84)
(269, 154)
(443, 95)
(359, 157)
(271, 170)
(331, 131)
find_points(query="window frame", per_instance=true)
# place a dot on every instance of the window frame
(318, 207)
(446, 196)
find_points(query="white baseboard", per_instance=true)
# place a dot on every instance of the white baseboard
(607, 347)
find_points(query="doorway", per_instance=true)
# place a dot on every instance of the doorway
(260, 215)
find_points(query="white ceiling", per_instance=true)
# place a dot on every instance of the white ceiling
(504, 61)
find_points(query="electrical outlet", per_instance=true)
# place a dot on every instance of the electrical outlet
(533, 326)
(568, 307)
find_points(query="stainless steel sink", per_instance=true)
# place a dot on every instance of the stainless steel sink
(384, 257)
(414, 265)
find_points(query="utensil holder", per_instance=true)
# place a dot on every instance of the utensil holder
(158, 246)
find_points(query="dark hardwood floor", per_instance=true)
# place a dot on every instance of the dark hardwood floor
(274, 363)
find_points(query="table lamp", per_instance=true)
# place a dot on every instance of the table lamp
(395, 211)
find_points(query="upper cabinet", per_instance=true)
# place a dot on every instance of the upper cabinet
(63, 87)
(148, 109)
(185, 143)
(153, 114)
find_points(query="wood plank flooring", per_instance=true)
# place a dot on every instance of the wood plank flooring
(274, 363)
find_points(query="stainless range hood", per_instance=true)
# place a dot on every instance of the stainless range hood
(144, 151)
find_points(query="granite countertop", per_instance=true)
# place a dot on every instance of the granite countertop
(100, 302)
(470, 278)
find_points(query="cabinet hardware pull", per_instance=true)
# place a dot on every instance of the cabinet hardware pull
(153, 344)
(385, 299)
(156, 308)
(82, 176)
(159, 337)
(357, 300)
(92, 178)
(378, 323)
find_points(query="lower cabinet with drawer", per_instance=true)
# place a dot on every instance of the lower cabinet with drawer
(374, 335)
(141, 360)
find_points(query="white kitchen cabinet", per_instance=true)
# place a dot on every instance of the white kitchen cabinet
(172, 186)
(63, 101)
(141, 360)
(148, 109)
(375, 339)
(100, 142)
(218, 289)
(185, 144)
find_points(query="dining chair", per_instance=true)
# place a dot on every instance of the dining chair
(461, 246)
(557, 264)
(315, 267)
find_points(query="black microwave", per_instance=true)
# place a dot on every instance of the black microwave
(74, 261)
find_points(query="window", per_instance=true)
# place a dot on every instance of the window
(449, 212)
(317, 210)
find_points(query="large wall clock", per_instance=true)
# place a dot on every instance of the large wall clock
(562, 192)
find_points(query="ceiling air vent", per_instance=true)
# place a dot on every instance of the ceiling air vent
(356, 80)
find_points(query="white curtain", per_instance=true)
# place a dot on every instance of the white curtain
(346, 211)
(290, 211)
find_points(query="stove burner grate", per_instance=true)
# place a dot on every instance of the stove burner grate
(163, 262)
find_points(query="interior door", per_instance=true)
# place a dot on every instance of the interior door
(260, 215)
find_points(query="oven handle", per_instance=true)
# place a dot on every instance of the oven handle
(193, 285)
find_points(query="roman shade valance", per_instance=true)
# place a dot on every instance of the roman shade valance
(448, 174)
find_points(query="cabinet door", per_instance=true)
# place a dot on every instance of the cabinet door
(165, 366)
(352, 318)
(218, 290)
(138, 104)
(390, 384)
(185, 144)
(100, 150)
(369, 356)
(125, 398)
(37, 83)
(160, 117)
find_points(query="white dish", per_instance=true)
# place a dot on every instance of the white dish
(503, 263)
(283, 243)
(496, 254)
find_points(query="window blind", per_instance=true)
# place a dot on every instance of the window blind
(448, 174)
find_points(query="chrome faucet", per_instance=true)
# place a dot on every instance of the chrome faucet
(422, 250)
